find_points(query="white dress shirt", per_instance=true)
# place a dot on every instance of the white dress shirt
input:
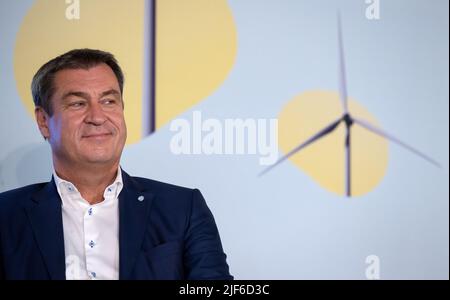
(91, 232)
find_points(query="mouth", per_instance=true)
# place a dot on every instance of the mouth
(97, 136)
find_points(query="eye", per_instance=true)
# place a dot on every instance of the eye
(77, 104)
(109, 101)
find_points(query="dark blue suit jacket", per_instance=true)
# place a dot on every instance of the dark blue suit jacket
(171, 234)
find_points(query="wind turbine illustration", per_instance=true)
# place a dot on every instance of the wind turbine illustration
(348, 120)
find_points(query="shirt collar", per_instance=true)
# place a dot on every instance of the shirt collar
(67, 190)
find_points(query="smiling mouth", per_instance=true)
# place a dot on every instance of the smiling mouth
(97, 135)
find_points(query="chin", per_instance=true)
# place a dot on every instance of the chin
(99, 157)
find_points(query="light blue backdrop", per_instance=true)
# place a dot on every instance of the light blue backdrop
(283, 225)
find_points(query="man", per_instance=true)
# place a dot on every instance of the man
(93, 220)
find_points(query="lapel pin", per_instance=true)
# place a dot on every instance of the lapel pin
(141, 198)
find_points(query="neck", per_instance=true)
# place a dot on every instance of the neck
(91, 181)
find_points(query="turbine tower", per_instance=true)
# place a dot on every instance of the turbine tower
(348, 120)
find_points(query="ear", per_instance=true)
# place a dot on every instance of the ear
(42, 119)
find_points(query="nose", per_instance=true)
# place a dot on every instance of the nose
(95, 115)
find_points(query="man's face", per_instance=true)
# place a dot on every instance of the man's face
(87, 125)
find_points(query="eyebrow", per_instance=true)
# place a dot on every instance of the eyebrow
(87, 96)
(110, 92)
(77, 94)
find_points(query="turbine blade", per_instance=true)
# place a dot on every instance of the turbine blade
(388, 136)
(342, 72)
(328, 129)
(348, 169)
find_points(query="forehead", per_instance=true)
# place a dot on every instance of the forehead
(99, 77)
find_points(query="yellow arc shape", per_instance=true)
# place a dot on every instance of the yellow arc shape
(116, 26)
(324, 161)
(196, 45)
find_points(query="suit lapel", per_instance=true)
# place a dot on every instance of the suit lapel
(134, 208)
(46, 221)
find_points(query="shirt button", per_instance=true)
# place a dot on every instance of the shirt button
(90, 211)
(91, 244)
(93, 274)
(109, 190)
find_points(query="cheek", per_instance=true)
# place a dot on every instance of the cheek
(119, 123)
(55, 128)
(124, 127)
(63, 129)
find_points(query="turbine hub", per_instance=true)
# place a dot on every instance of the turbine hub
(348, 119)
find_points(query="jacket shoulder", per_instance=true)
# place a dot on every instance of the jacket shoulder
(16, 197)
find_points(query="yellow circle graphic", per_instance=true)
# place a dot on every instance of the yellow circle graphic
(196, 45)
(324, 160)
